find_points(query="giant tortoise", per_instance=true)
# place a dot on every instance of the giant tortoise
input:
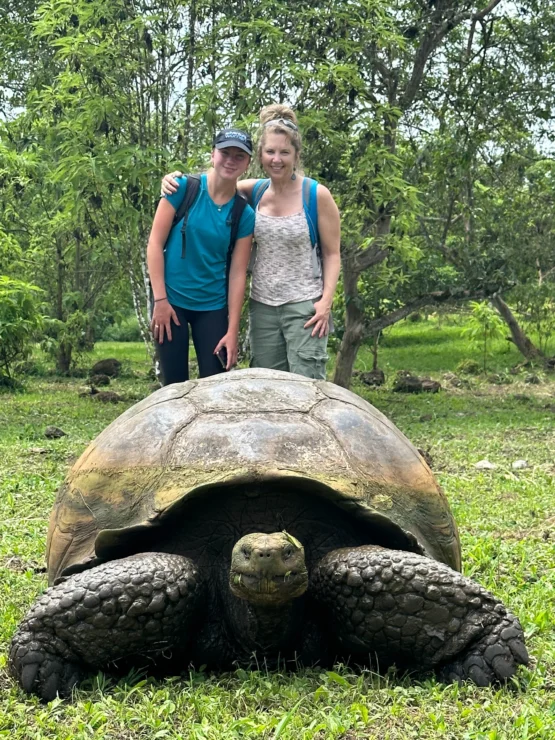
(256, 512)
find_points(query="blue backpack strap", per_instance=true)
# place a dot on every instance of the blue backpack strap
(233, 221)
(258, 190)
(310, 206)
(192, 189)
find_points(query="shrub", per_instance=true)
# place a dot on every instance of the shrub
(66, 341)
(502, 378)
(484, 326)
(126, 330)
(468, 367)
(20, 320)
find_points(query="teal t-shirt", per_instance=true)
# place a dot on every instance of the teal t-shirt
(198, 282)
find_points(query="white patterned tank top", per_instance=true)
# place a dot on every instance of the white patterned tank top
(283, 271)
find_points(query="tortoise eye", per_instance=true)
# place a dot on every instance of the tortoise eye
(288, 551)
(245, 552)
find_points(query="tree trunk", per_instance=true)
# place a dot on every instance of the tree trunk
(523, 343)
(190, 78)
(354, 327)
(375, 352)
(350, 345)
(137, 286)
(63, 358)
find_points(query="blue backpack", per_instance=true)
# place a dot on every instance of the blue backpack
(310, 207)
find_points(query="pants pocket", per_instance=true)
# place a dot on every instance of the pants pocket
(310, 363)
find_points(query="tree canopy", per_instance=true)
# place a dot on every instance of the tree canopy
(429, 120)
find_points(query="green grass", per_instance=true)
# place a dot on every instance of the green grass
(435, 345)
(507, 524)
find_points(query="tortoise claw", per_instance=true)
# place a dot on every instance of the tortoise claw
(494, 659)
(28, 677)
(39, 672)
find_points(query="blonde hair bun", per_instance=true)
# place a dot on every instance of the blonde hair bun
(272, 112)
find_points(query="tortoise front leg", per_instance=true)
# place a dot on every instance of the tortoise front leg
(402, 607)
(140, 605)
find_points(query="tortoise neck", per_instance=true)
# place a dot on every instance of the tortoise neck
(267, 629)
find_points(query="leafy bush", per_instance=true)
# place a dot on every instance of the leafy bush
(536, 304)
(66, 341)
(502, 378)
(484, 326)
(20, 320)
(125, 330)
(468, 367)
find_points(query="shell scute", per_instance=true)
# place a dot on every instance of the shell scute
(245, 426)
(261, 395)
(141, 440)
(376, 449)
(263, 441)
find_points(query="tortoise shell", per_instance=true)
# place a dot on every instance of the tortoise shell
(245, 426)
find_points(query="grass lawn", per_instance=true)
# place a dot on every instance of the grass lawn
(507, 525)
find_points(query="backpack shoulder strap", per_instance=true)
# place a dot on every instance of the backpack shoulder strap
(258, 190)
(191, 192)
(234, 219)
(310, 205)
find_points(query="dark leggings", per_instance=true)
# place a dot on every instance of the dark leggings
(207, 328)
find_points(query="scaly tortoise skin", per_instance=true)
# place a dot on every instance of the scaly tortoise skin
(256, 512)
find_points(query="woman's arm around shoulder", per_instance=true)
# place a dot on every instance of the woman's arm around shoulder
(245, 187)
(170, 184)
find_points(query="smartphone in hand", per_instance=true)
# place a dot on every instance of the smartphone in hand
(222, 357)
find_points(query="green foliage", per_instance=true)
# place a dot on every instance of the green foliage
(66, 341)
(536, 303)
(20, 321)
(468, 367)
(395, 102)
(126, 330)
(438, 346)
(484, 326)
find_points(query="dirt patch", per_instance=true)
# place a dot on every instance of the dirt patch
(19, 565)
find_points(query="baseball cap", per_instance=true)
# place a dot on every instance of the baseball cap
(233, 137)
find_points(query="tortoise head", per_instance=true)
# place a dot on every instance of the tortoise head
(268, 569)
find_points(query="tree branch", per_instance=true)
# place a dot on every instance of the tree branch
(486, 11)
(440, 25)
(440, 297)
(375, 253)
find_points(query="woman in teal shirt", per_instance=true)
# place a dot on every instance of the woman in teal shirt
(192, 289)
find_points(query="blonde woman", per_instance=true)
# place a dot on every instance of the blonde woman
(297, 261)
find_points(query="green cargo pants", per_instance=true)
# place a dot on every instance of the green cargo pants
(279, 340)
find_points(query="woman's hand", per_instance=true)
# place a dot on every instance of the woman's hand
(229, 341)
(169, 184)
(321, 318)
(161, 321)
